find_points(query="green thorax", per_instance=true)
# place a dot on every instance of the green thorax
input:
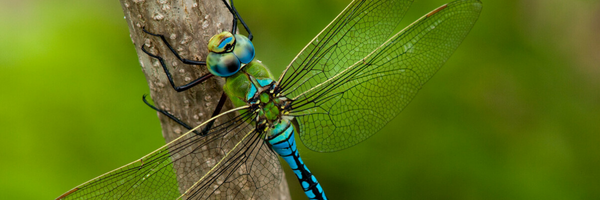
(253, 85)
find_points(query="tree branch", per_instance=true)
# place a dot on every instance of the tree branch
(187, 25)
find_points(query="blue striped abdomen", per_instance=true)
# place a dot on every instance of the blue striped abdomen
(283, 142)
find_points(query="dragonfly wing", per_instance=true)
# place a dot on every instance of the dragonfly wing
(246, 172)
(353, 34)
(357, 102)
(229, 161)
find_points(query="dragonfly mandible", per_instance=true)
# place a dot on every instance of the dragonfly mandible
(343, 87)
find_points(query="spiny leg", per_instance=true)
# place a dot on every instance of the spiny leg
(222, 101)
(236, 16)
(172, 117)
(234, 24)
(167, 114)
(186, 61)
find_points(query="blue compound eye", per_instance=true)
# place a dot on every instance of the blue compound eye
(223, 65)
(244, 50)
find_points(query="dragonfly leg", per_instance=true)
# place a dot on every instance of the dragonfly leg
(186, 61)
(164, 112)
(222, 101)
(172, 117)
(236, 16)
(234, 24)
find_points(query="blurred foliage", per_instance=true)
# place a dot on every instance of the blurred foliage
(512, 115)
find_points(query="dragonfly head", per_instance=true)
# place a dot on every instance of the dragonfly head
(228, 53)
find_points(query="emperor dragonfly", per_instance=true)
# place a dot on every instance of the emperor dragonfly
(331, 94)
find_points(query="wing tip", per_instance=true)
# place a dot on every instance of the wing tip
(477, 5)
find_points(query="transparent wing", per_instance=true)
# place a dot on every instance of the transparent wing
(352, 35)
(229, 162)
(357, 102)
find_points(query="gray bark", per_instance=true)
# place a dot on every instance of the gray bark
(187, 25)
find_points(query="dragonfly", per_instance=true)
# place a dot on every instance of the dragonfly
(344, 86)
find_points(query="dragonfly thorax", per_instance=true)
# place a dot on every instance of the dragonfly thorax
(270, 109)
(254, 85)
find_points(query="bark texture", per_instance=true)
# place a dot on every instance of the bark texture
(187, 25)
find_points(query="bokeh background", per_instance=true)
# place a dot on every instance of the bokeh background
(514, 114)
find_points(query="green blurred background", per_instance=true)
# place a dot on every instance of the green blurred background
(514, 114)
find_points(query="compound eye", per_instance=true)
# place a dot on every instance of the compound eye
(223, 64)
(221, 43)
(244, 49)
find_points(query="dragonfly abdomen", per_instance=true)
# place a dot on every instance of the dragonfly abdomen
(281, 137)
